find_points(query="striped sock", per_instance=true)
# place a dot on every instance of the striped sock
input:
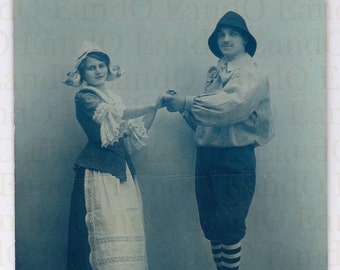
(231, 256)
(216, 251)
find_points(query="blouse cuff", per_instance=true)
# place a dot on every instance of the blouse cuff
(136, 136)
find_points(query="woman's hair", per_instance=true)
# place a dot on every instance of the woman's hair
(97, 55)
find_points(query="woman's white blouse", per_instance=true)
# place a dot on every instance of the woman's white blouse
(108, 114)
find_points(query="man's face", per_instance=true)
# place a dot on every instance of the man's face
(231, 42)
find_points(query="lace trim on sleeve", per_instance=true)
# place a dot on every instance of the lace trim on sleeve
(137, 136)
(110, 119)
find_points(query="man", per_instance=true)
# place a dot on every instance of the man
(230, 119)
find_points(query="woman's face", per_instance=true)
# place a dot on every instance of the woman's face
(231, 42)
(95, 72)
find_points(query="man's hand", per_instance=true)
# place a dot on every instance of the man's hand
(159, 102)
(173, 101)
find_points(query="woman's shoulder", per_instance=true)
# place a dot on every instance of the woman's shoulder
(88, 91)
(85, 95)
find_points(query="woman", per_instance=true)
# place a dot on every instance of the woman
(106, 229)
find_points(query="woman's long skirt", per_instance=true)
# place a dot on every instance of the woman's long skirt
(106, 223)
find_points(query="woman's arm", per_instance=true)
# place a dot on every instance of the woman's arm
(149, 118)
(149, 112)
(130, 113)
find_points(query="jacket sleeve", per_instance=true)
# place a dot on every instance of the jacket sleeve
(234, 103)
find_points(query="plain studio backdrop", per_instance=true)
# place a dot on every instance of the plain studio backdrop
(163, 45)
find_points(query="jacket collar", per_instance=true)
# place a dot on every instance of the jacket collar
(235, 64)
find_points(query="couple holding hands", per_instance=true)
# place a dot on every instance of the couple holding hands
(230, 119)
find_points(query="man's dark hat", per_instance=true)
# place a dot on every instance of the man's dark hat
(234, 20)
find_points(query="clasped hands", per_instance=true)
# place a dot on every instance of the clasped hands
(172, 100)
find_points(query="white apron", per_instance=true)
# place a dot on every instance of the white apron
(115, 222)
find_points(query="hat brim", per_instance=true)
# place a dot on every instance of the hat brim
(114, 73)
